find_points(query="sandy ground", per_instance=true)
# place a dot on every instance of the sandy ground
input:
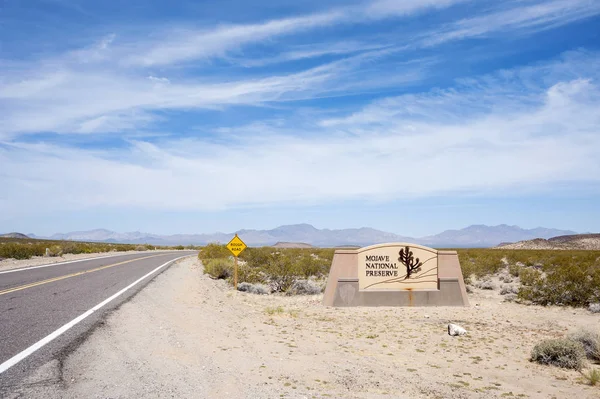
(7, 264)
(188, 336)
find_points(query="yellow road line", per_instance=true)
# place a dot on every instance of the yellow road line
(22, 287)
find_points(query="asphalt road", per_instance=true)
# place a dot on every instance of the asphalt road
(36, 302)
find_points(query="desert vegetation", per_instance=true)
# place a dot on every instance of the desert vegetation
(267, 269)
(25, 248)
(543, 277)
(578, 351)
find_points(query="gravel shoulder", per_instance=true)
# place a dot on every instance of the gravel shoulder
(188, 336)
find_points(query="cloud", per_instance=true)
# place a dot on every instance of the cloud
(84, 101)
(301, 52)
(527, 16)
(433, 143)
(119, 83)
(180, 45)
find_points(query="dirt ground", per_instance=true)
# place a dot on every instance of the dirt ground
(188, 336)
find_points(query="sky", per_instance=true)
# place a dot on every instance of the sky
(409, 116)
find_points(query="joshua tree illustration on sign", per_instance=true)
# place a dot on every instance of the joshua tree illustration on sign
(407, 259)
(413, 266)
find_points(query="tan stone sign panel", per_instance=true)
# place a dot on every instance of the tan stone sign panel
(397, 267)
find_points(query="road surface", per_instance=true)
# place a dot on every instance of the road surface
(46, 312)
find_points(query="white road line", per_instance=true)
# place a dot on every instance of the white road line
(64, 263)
(27, 352)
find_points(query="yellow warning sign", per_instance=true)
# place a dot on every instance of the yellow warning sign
(236, 246)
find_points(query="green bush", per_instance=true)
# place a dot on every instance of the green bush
(55, 250)
(281, 267)
(20, 251)
(281, 271)
(214, 251)
(561, 352)
(250, 274)
(567, 283)
(218, 268)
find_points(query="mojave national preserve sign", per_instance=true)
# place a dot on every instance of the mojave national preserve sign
(395, 274)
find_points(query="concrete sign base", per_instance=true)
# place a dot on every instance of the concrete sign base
(395, 274)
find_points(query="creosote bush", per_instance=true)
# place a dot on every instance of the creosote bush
(54, 250)
(561, 352)
(218, 268)
(590, 341)
(214, 251)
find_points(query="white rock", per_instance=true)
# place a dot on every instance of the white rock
(454, 330)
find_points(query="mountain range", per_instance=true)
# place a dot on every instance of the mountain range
(472, 236)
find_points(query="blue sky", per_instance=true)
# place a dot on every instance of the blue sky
(408, 116)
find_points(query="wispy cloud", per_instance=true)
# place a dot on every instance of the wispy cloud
(527, 16)
(118, 83)
(180, 45)
(93, 101)
(301, 52)
(447, 143)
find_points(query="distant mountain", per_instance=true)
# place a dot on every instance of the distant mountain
(488, 236)
(472, 236)
(13, 235)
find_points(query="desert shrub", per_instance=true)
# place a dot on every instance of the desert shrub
(214, 251)
(563, 283)
(514, 270)
(281, 272)
(509, 289)
(179, 247)
(54, 250)
(592, 376)
(259, 289)
(486, 285)
(141, 248)
(561, 352)
(304, 287)
(250, 274)
(594, 307)
(218, 268)
(590, 341)
(20, 251)
(280, 268)
(510, 297)
(480, 262)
